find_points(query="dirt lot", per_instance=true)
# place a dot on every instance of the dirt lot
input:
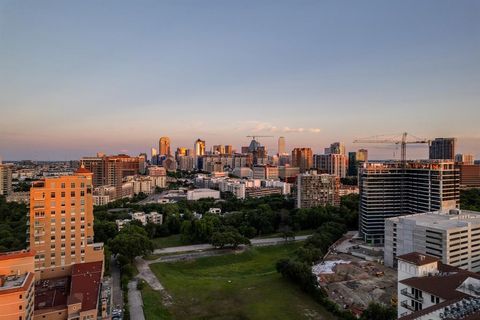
(356, 284)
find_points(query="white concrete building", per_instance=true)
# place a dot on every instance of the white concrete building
(452, 236)
(198, 194)
(431, 290)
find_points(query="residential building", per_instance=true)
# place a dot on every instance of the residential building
(442, 149)
(362, 155)
(466, 159)
(469, 176)
(453, 236)
(236, 187)
(110, 170)
(164, 146)
(17, 285)
(302, 158)
(153, 153)
(262, 192)
(315, 190)
(61, 224)
(243, 172)
(333, 163)
(431, 290)
(103, 195)
(288, 173)
(267, 172)
(198, 194)
(6, 179)
(394, 189)
(186, 163)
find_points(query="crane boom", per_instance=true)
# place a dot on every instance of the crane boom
(401, 141)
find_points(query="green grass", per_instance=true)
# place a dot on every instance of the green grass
(152, 308)
(235, 286)
(171, 241)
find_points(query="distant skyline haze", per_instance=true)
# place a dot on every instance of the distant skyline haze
(80, 77)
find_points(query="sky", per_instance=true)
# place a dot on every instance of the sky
(79, 77)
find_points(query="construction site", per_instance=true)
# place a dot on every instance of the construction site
(353, 283)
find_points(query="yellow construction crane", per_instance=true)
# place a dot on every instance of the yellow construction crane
(402, 141)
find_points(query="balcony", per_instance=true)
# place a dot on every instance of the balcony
(406, 305)
(406, 293)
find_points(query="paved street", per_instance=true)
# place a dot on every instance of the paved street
(135, 301)
(117, 293)
(202, 247)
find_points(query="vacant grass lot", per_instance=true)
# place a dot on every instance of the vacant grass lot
(235, 286)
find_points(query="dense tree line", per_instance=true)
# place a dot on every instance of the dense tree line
(470, 199)
(13, 225)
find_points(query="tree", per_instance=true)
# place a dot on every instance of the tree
(228, 238)
(131, 241)
(377, 311)
(104, 230)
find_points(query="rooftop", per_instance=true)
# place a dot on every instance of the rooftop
(443, 220)
(14, 282)
(86, 280)
(417, 259)
(51, 293)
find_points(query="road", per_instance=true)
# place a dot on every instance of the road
(202, 247)
(117, 294)
(135, 302)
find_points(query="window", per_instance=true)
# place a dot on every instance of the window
(82, 193)
(82, 185)
(52, 212)
(63, 194)
(20, 297)
(63, 187)
(72, 194)
(63, 211)
(72, 185)
(52, 194)
(20, 307)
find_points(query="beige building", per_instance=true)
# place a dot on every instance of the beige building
(302, 158)
(315, 190)
(61, 224)
(17, 285)
(6, 179)
(452, 236)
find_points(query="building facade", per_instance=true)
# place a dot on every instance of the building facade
(61, 224)
(302, 158)
(453, 236)
(394, 189)
(315, 190)
(17, 285)
(6, 179)
(442, 149)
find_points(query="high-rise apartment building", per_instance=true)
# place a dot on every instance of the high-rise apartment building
(5, 179)
(333, 163)
(394, 189)
(355, 159)
(153, 153)
(199, 147)
(315, 190)
(281, 146)
(110, 170)
(442, 149)
(17, 285)
(218, 149)
(464, 158)
(61, 224)
(453, 236)
(181, 151)
(164, 146)
(302, 158)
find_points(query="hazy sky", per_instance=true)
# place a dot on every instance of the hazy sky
(77, 77)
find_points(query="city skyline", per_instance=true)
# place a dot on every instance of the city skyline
(84, 77)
